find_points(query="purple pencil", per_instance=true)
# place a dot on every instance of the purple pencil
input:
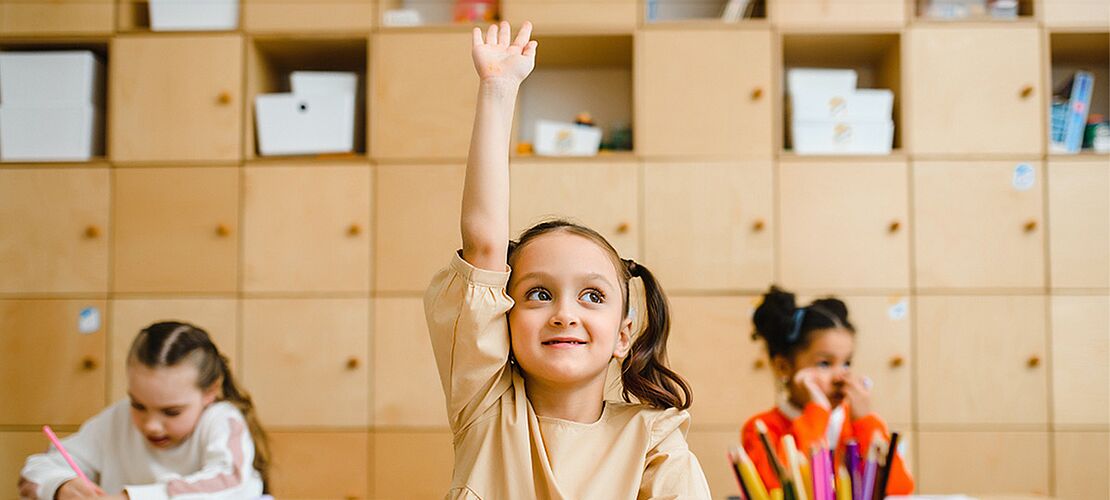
(853, 459)
(869, 472)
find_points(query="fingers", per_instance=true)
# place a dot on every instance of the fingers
(477, 36)
(524, 35)
(504, 33)
(491, 35)
(530, 49)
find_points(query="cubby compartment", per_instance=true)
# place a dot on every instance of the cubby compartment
(177, 15)
(832, 117)
(409, 13)
(580, 75)
(664, 11)
(303, 122)
(56, 17)
(974, 10)
(1079, 59)
(283, 16)
(52, 101)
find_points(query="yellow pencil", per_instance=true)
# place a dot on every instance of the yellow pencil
(803, 467)
(750, 475)
(843, 484)
(776, 494)
(795, 470)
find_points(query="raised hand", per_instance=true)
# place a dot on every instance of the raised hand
(497, 60)
(857, 391)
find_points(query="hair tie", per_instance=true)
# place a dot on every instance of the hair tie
(633, 268)
(796, 327)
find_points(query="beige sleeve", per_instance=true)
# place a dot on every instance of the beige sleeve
(672, 471)
(465, 308)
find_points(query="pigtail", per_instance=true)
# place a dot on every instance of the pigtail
(644, 372)
(242, 400)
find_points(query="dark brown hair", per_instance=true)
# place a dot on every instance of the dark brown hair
(170, 343)
(644, 371)
(787, 329)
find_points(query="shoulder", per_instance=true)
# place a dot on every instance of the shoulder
(220, 419)
(659, 423)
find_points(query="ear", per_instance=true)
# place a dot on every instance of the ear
(211, 394)
(783, 367)
(624, 339)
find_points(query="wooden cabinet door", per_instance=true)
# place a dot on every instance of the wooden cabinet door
(175, 98)
(725, 111)
(709, 226)
(57, 17)
(1080, 348)
(601, 196)
(844, 225)
(176, 229)
(1074, 13)
(418, 208)
(711, 346)
(981, 360)
(1081, 464)
(218, 317)
(299, 471)
(51, 370)
(417, 115)
(260, 16)
(55, 236)
(979, 225)
(307, 229)
(400, 456)
(1079, 223)
(975, 90)
(807, 13)
(305, 361)
(974, 463)
(407, 389)
(611, 15)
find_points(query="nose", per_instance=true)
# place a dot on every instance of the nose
(564, 317)
(152, 425)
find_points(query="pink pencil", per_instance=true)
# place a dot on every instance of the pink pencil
(65, 454)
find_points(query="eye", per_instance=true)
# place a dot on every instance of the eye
(172, 413)
(593, 296)
(137, 406)
(848, 364)
(537, 294)
(823, 364)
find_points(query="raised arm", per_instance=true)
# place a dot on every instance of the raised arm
(501, 67)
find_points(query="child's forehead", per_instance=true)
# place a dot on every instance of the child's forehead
(561, 254)
(163, 385)
(831, 341)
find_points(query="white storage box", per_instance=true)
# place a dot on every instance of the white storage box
(857, 105)
(323, 82)
(194, 15)
(290, 124)
(51, 78)
(842, 137)
(40, 133)
(566, 139)
(820, 81)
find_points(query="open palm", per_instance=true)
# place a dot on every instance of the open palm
(497, 59)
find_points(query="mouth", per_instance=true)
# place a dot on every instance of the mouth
(563, 342)
(158, 442)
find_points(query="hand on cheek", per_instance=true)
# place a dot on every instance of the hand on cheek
(809, 381)
(857, 392)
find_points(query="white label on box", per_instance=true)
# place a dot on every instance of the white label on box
(1025, 177)
(88, 320)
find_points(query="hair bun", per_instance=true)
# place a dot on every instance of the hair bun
(774, 317)
(835, 307)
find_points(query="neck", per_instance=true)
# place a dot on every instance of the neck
(582, 402)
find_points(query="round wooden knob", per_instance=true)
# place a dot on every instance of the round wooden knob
(352, 363)
(222, 230)
(354, 230)
(224, 98)
(1026, 91)
(623, 228)
(92, 232)
(88, 363)
(897, 361)
(759, 364)
(1030, 226)
(1034, 361)
(894, 226)
(758, 225)
(757, 93)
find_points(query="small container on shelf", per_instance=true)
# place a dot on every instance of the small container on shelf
(194, 15)
(731, 11)
(828, 115)
(51, 106)
(318, 116)
(566, 139)
(1080, 70)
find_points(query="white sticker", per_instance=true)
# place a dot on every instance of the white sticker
(1025, 177)
(899, 310)
(88, 321)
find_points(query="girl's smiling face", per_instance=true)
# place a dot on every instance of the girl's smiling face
(829, 354)
(166, 403)
(568, 320)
